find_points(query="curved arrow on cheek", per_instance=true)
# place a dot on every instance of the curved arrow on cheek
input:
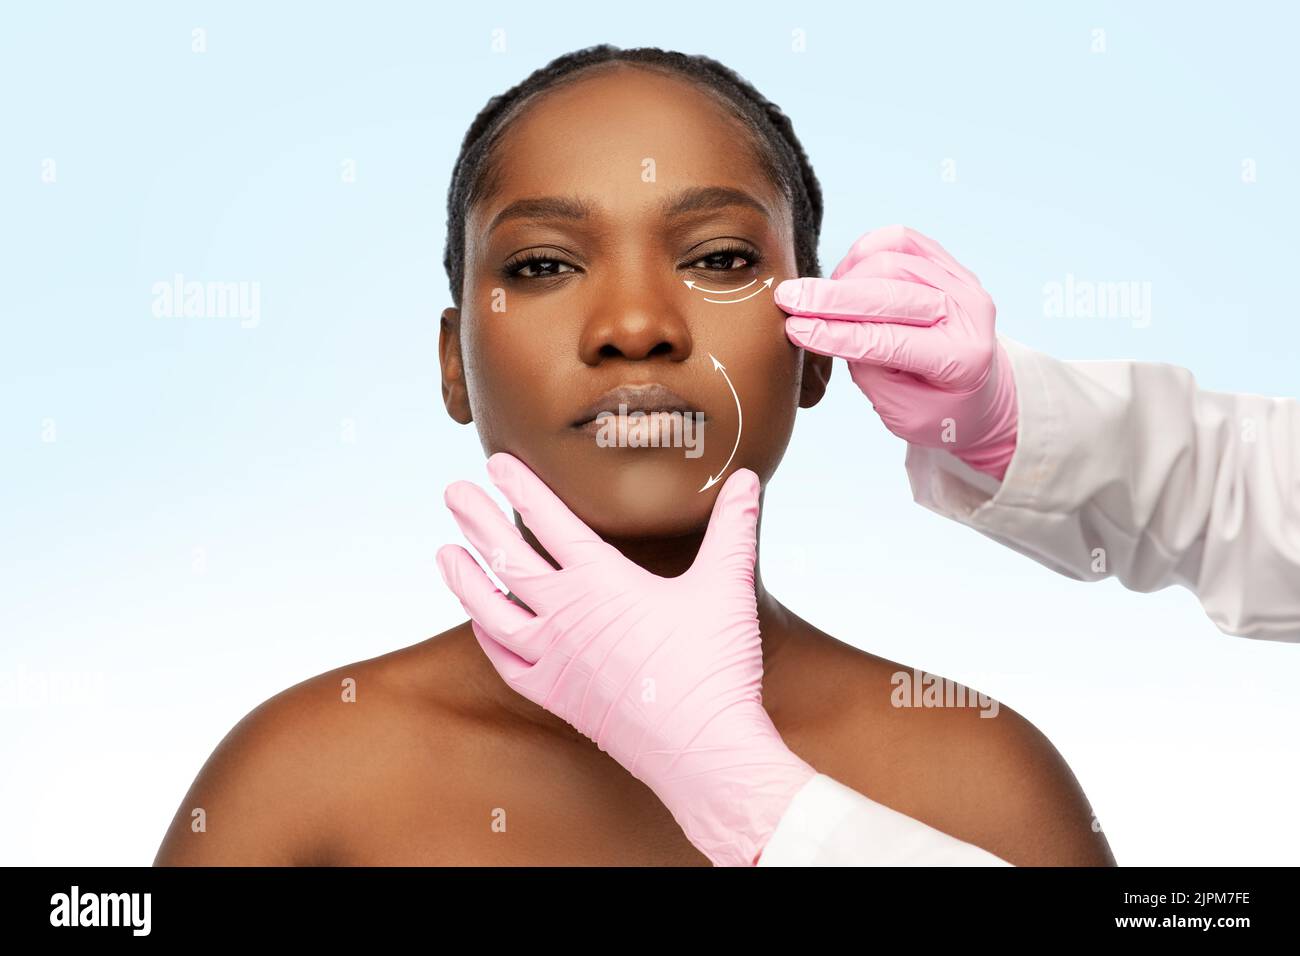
(740, 421)
(767, 284)
(690, 284)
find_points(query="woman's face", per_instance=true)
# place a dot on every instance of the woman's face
(603, 184)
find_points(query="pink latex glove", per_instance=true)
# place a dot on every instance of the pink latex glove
(917, 331)
(663, 674)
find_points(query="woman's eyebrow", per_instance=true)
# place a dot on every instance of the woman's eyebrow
(574, 208)
(710, 199)
(694, 199)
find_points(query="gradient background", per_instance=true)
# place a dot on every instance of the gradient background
(200, 535)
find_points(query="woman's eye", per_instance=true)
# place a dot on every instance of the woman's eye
(724, 260)
(541, 266)
(544, 267)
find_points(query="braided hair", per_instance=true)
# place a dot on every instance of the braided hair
(781, 155)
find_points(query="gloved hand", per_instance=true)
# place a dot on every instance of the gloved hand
(663, 674)
(917, 331)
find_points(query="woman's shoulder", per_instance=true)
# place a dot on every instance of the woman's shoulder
(949, 755)
(278, 786)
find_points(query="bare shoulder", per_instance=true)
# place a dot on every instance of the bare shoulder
(281, 786)
(959, 761)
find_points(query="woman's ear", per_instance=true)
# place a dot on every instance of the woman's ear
(816, 373)
(454, 394)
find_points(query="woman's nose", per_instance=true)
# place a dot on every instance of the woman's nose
(636, 326)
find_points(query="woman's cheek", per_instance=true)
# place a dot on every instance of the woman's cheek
(510, 392)
(774, 395)
(764, 367)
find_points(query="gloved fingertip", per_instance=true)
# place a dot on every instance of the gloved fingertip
(443, 560)
(788, 292)
(505, 472)
(739, 495)
(499, 464)
(799, 325)
(747, 482)
(452, 494)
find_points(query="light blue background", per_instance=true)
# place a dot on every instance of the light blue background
(198, 536)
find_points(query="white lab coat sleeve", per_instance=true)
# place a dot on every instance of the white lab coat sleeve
(1128, 469)
(830, 824)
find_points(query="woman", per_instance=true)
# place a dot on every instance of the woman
(583, 202)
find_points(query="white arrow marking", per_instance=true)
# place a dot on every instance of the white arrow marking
(690, 284)
(767, 284)
(740, 421)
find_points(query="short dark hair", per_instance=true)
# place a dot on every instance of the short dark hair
(779, 150)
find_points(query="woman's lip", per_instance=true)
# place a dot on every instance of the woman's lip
(648, 399)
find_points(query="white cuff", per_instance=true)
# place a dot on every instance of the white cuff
(1015, 511)
(829, 824)
(944, 483)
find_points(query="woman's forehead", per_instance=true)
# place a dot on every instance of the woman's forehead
(627, 141)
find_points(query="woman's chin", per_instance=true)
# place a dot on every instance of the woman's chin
(639, 493)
